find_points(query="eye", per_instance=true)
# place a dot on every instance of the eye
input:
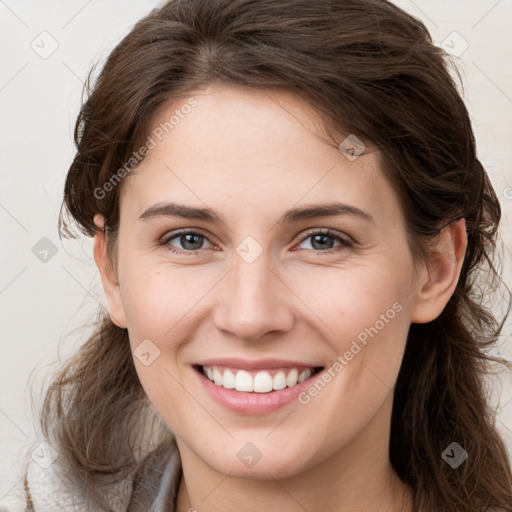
(320, 240)
(189, 240)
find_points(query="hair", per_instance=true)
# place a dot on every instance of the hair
(369, 69)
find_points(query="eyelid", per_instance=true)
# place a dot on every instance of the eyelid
(327, 231)
(164, 240)
(345, 240)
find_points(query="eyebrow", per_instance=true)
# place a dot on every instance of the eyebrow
(169, 209)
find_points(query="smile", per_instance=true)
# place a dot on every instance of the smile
(253, 390)
(261, 381)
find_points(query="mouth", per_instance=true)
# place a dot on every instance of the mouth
(257, 381)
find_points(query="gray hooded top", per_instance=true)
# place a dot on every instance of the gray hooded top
(153, 487)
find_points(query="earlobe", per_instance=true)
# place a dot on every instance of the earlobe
(439, 278)
(107, 273)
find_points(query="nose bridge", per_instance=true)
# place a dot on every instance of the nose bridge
(253, 300)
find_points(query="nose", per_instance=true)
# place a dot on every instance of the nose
(254, 301)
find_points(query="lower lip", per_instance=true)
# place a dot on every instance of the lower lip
(253, 403)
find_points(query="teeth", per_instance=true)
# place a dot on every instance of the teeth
(262, 382)
(243, 381)
(217, 377)
(228, 380)
(304, 375)
(291, 380)
(279, 381)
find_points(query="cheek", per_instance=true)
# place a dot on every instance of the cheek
(356, 313)
(159, 301)
(363, 315)
(161, 306)
(348, 300)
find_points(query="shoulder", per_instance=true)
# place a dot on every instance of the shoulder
(49, 489)
(154, 483)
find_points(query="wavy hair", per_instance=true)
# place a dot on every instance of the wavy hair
(369, 69)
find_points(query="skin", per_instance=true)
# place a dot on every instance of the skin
(252, 155)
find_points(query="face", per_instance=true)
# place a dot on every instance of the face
(263, 289)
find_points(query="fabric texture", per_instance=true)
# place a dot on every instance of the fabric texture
(153, 487)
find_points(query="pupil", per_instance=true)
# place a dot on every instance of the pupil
(322, 244)
(189, 238)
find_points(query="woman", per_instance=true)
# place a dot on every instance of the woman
(294, 236)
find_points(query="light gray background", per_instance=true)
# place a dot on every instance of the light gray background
(41, 303)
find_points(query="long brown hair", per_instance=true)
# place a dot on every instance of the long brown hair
(369, 69)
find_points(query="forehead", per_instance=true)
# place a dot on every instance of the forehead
(260, 151)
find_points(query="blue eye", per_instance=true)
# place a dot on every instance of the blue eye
(191, 242)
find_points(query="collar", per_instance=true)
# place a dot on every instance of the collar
(153, 486)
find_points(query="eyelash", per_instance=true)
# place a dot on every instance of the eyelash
(344, 243)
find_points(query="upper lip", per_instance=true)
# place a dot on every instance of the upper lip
(260, 364)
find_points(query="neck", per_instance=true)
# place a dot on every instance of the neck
(358, 476)
(230, 494)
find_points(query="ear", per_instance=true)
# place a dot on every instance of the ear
(108, 277)
(438, 279)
